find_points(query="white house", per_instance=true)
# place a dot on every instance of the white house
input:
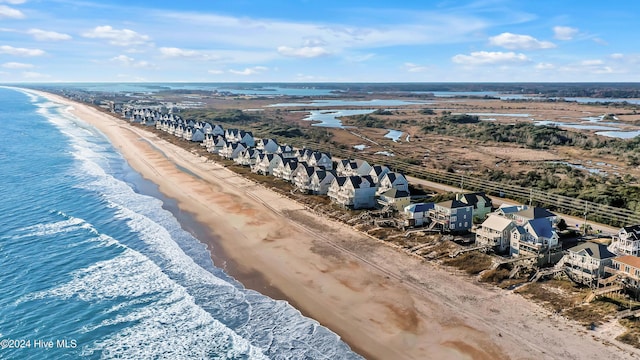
(320, 159)
(353, 168)
(393, 180)
(585, 263)
(231, 151)
(320, 181)
(285, 151)
(377, 172)
(247, 157)
(268, 146)
(495, 231)
(533, 237)
(627, 241)
(357, 192)
(302, 176)
(417, 214)
(285, 167)
(265, 163)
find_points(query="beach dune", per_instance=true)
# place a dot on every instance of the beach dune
(382, 302)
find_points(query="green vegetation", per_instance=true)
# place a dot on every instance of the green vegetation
(220, 115)
(366, 120)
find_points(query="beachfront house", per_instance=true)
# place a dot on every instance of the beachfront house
(320, 159)
(585, 263)
(231, 150)
(193, 134)
(395, 199)
(268, 146)
(495, 232)
(452, 216)
(393, 180)
(627, 268)
(178, 131)
(247, 157)
(302, 176)
(523, 213)
(417, 214)
(377, 172)
(356, 192)
(353, 167)
(534, 237)
(626, 241)
(265, 163)
(285, 168)
(218, 144)
(482, 204)
(320, 181)
(285, 151)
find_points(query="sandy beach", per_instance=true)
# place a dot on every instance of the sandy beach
(384, 303)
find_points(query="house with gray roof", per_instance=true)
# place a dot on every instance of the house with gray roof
(534, 237)
(394, 198)
(495, 231)
(585, 263)
(452, 216)
(417, 214)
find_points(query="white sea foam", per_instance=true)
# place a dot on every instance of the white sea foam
(171, 325)
(46, 229)
(173, 306)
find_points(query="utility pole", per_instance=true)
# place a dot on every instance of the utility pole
(585, 217)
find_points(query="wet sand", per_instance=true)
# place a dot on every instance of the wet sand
(385, 304)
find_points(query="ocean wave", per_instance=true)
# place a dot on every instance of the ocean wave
(163, 290)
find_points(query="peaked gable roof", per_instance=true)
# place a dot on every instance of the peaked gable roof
(452, 204)
(540, 227)
(595, 250)
(394, 193)
(496, 222)
(473, 198)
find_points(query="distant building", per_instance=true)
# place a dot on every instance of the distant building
(626, 241)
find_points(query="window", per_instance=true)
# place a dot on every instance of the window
(466, 224)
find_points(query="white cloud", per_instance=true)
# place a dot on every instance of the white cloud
(17, 65)
(34, 75)
(303, 52)
(10, 50)
(616, 56)
(174, 52)
(411, 67)
(489, 58)
(131, 62)
(42, 35)
(250, 71)
(564, 32)
(515, 41)
(10, 13)
(13, 2)
(545, 66)
(124, 37)
(215, 72)
(591, 63)
(600, 41)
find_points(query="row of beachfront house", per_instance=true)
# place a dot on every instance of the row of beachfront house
(353, 183)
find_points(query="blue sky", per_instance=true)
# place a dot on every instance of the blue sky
(319, 41)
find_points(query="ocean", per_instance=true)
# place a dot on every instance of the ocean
(92, 265)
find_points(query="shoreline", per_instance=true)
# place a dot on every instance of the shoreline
(344, 280)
